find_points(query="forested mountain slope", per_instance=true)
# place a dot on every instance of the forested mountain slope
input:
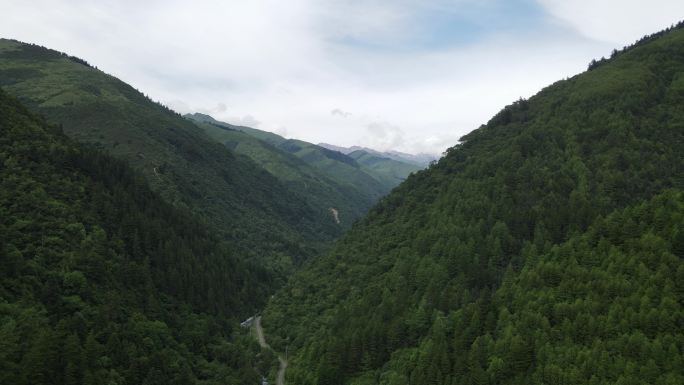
(545, 248)
(321, 190)
(387, 170)
(101, 281)
(248, 206)
(371, 183)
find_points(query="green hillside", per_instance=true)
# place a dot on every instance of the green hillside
(371, 183)
(309, 182)
(545, 248)
(259, 215)
(102, 282)
(387, 170)
(423, 160)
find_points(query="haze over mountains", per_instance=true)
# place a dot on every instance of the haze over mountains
(545, 247)
(367, 175)
(418, 159)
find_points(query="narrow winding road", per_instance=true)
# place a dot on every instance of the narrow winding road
(280, 379)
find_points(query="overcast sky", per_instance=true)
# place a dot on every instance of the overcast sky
(410, 75)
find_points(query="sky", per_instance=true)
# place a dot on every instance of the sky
(406, 75)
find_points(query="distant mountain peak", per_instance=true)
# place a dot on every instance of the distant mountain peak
(200, 116)
(420, 159)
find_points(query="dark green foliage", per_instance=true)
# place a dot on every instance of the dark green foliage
(338, 156)
(101, 281)
(644, 40)
(322, 190)
(260, 216)
(545, 248)
(363, 179)
(389, 171)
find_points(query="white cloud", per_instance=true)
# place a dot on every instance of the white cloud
(383, 136)
(339, 112)
(247, 120)
(282, 131)
(292, 64)
(183, 107)
(616, 21)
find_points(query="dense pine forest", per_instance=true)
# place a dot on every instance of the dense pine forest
(259, 215)
(102, 282)
(133, 240)
(545, 248)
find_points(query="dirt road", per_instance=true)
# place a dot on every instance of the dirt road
(280, 379)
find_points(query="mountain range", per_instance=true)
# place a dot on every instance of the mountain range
(367, 171)
(275, 216)
(133, 239)
(545, 247)
(417, 159)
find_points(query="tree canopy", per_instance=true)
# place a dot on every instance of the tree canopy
(545, 247)
(102, 281)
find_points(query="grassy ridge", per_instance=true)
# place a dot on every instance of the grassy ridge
(320, 189)
(368, 180)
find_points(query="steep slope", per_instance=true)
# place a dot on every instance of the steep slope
(245, 203)
(486, 268)
(603, 307)
(385, 169)
(339, 167)
(101, 281)
(313, 185)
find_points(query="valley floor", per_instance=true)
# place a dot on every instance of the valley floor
(280, 379)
